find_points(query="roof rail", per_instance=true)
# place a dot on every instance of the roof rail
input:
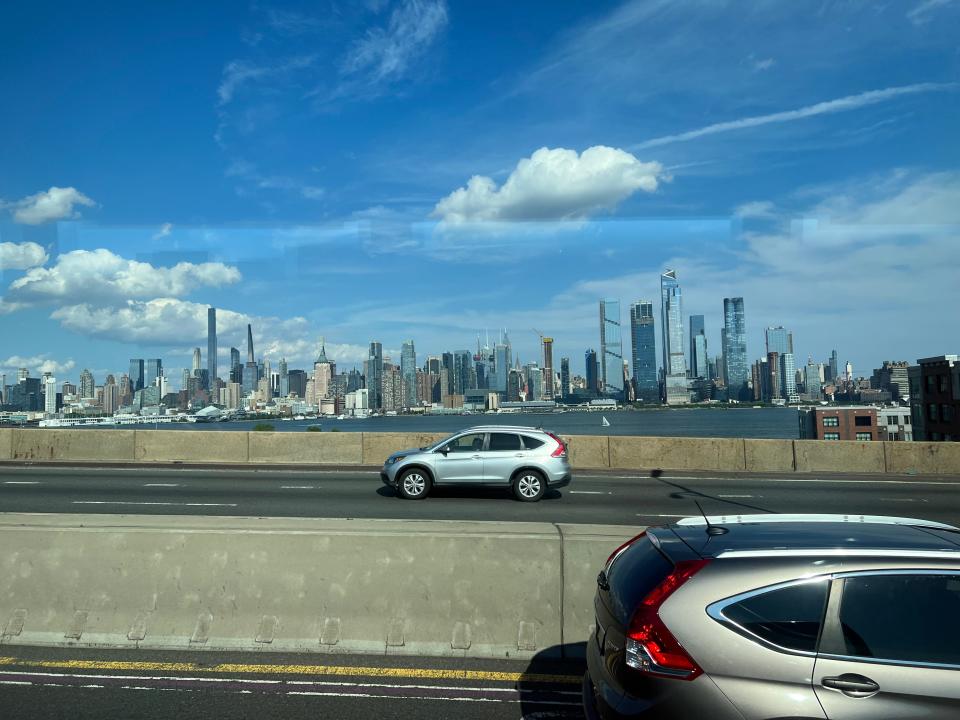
(814, 518)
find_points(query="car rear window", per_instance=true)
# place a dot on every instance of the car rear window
(907, 618)
(789, 617)
(633, 574)
(505, 441)
(531, 443)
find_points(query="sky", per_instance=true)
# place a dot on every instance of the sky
(441, 171)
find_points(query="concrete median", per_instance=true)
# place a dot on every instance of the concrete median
(6, 443)
(768, 455)
(312, 447)
(848, 456)
(79, 445)
(922, 458)
(677, 453)
(208, 446)
(408, 587)
(588, 451)
(378, 446)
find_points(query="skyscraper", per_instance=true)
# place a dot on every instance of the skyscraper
(212, 345)
(699, 363)
(50, 395)
(87, 386)
(564, 377)
(644, 349)
(196, 360)
(781, 342)
(250, 357)
(671, 315)
(547, 368)
(834, 367)
(408, 370)
(136, 374)
(591, 371)
(611, 349)
(251, 373)
(375, 375)
(735, 367)
(236, 369)
(284, 386)
(461, 372)
(502, 360)
(323, 372)
(154, 370)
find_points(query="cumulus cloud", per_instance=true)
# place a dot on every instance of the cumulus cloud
(36, 364)
(21, 256)
(553, 184)
(163, 232)
(54, 204)
(102, 276)
(761, 209)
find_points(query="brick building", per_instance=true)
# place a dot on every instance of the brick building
(840, 423)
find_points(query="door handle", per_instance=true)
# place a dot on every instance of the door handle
(477, 457)
(519, 455)
(852, 685)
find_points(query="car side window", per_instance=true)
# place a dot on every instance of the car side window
(789, 617)
(900, 617)
(473, 442)
(505, 441)
(531, 443)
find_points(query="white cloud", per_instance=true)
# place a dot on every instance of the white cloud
(21, 256)
(36, 364)
(828, 107)
(764, 64)
(54, 204)
(163, 232)
(553, 184)
(102, 276)
(920, 14)
(385, 54)
(239, 73)
(758, 209)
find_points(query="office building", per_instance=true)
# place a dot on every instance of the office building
(236, 369)
(251, 372)
(811, 380)
(644, 351)
(547, 368)
(591, 371)
(195, 365)
(699, 360)
(87, 385)
(135, 375)
(788, 378)
(408, 370)
(935, 397)
(671, 317)
(611, 349)
(50, 395)
(502, 360)
(892, 377)
(736, 368)
(840, 423)
(323, 372)
(111, 398)
(778, 340)
(461, 372)
(298, 383)
(154, 371)
(212, 346)
(375, 375)
(564, 377)
(283, 385)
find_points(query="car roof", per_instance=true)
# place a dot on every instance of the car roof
(821, 535)
(506, 428)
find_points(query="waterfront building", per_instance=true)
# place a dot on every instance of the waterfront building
(547, 368)
(735, 349)
(811, 380)
(87, 385)
(592, 371)
(50, 395)
(323, 372)
(408, 369)
(643, 348)
(779, 340)
(111, 398)
(212, 345)
(154, 371)
(283, 385)
(135, 375)
(502, 361)
(611, 349)
(671, 317)
(564, 377)
(236, 369)
(788, 378)
(514, 383)
(699, 362)
(840, 423)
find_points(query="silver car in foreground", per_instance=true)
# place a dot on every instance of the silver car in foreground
(825, 617)
(527, 460)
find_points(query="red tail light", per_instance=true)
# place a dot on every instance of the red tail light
(561, 449)
(651, 647)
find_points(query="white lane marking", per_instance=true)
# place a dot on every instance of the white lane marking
(174, 504)
(661, 515)
(735, 496)
(589, 492)
(296, 487)
(21, 482)
(161, 484)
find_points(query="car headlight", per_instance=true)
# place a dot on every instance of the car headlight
(394, 460)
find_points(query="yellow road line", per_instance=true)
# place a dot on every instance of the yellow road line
(319, 670)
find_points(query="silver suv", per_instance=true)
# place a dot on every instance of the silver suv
(528, 460)
(779, 616)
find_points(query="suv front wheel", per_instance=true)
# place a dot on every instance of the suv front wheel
(413, 484)
(529, 486)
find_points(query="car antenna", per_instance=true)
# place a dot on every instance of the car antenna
(712, 530)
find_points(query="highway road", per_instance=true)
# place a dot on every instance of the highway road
(39, 683)
(614, 497)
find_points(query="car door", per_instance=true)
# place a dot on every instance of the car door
(891, 647)
(461, 459)
(503, 454)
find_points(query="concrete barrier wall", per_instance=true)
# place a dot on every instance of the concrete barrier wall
(432, 588)
(586, 451)
(849, 456)
(81, 445)
(205, 446)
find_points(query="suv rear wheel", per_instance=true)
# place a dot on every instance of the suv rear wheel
(413, 484)
(529, 485)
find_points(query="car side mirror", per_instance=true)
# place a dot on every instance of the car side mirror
(444, 450)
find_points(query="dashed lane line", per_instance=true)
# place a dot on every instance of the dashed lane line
(170, 504)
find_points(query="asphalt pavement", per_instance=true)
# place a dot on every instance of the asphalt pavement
(614, 497)
(40, 683)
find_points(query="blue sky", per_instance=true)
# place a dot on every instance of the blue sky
(432, 170)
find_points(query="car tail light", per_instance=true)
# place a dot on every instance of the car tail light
(651, 647)
(561, 449)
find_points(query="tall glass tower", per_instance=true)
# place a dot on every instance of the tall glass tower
(502, 359)
(591, 370)
(408, 369)
(674, 364)
(212, 346)
(699, 366)
(611, 349)
(643, 344)
(736, 370)
(375, 376)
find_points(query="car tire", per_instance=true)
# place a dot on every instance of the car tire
(413, 484)
(529, 485)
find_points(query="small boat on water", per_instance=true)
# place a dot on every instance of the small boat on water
(604, 422)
